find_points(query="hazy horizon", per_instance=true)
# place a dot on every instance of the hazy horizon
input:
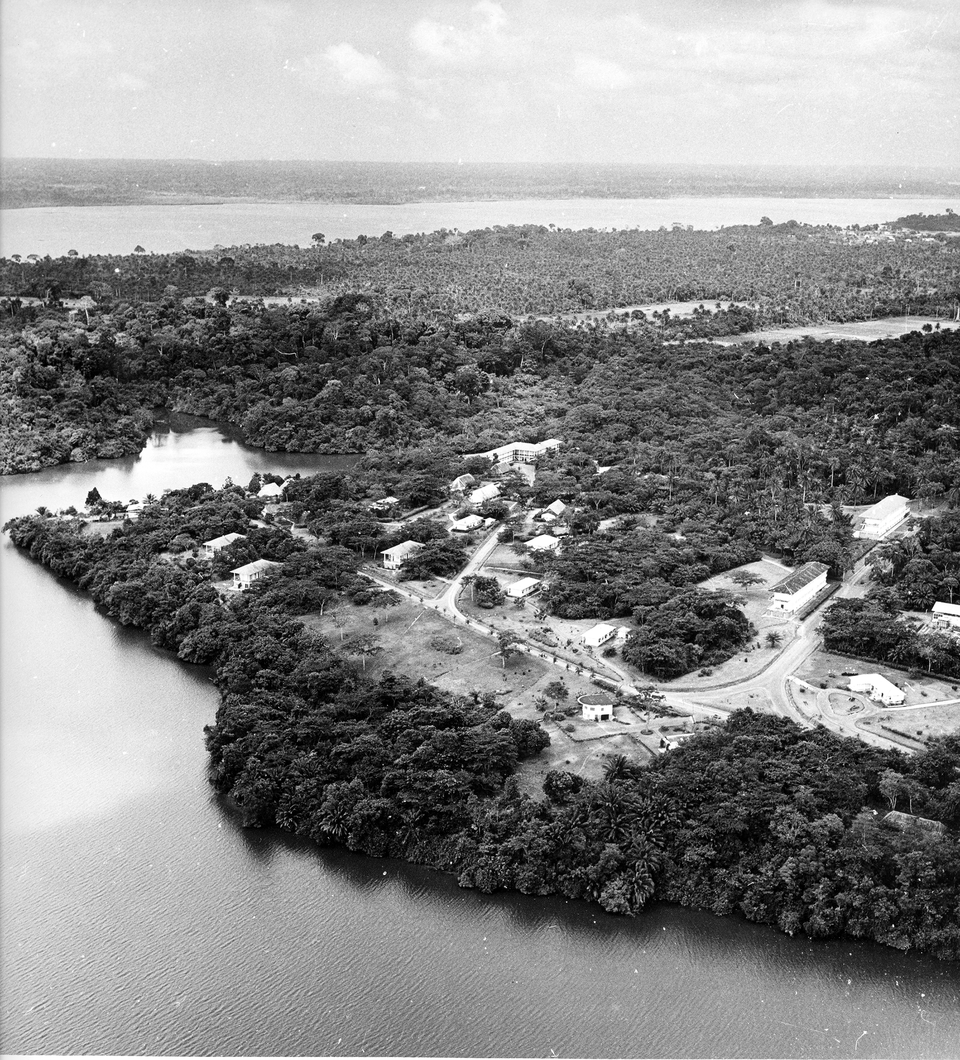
(837, 83)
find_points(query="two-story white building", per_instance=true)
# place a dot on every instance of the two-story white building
(393, 557)
(946, 617)
(882, 517)
(245, 576)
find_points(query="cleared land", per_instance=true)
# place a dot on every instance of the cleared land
(865, 330)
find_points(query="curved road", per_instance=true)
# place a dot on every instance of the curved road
(772, 687)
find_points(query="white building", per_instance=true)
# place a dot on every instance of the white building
(484, 493)
(522, 452)
(878, 688)
(245, 576)
(556, 509)
(946, 617)
(599, 634)
(462, 483)
(543, 543)
(466, 524)
(882, 516)
(271, 489)
(596, 707)
(209, 548)
(799, 588)
(523, 588)
(394, 556)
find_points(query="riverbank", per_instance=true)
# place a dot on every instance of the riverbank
(399, 768)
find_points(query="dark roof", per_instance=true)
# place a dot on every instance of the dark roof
(906, 822)
(596, 699)
(802, 576)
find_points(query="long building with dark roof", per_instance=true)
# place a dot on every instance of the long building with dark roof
(799, 587)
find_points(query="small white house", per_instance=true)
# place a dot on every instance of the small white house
(882, 516)
(556, 509)
(245, 576)
(484, 493)
(799, 587)
(384, 504)
(211, 547)
(271, 490)
(523, 588)
(598, 634)
(462, 483)
(596, 707)
(946, 617)
(394, 557)
(878, 688)
(466, 524)
(543, 543)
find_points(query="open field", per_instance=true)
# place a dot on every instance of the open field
(865, 330)
(921, 723)
(818, 668)
(411, 641)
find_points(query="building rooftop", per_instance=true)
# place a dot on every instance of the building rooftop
(543, 541)
(222, 542)
(401, 550)
(940, 608)
(878, 682)
(906, 822)
(256, 565)
(802, 576)
(886, 507)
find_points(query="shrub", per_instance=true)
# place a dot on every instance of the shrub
(446, 643)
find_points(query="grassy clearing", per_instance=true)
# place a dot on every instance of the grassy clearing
(825, 670)
(921, 723)
(864, 330)
(408, 636)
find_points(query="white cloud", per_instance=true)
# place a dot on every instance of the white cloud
(601, 73)
(483, 38)
(341, 69)
(355, 68)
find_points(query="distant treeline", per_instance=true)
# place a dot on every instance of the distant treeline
(787, 274)
(89, 182)
(934, 222)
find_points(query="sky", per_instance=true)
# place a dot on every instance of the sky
(830, 82)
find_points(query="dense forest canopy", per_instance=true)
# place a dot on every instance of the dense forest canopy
(680, 459)
(85, 182)
(759, 817)
(788, 273)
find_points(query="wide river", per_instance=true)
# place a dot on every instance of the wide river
(161, 229)
(138, 918)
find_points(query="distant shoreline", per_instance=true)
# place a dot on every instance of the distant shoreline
(247, 201)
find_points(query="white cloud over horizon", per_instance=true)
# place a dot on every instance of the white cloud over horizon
(831, 81)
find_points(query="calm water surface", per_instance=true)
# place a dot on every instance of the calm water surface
(139, 919)
(161, 229)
